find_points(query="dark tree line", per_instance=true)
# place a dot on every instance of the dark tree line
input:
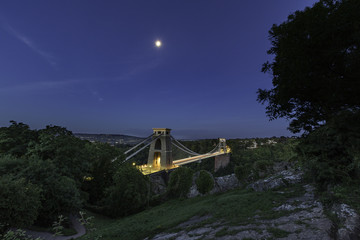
(49, 172)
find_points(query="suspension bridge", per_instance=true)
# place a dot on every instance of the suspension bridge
(160, 152)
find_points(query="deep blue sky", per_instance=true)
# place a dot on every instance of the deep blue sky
(92, 66)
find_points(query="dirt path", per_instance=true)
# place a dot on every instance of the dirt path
(80, 229)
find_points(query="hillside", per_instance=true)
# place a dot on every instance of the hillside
(282, 206)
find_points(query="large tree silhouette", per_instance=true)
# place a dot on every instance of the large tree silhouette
(316, 66)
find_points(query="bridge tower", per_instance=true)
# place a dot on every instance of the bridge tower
(160, 153)
(222, 161)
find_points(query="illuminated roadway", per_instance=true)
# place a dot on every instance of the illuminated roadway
(197, 158)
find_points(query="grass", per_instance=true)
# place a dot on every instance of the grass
(237, 207)
(277, 232)
(65, 231)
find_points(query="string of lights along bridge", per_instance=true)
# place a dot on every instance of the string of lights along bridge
(160, 152)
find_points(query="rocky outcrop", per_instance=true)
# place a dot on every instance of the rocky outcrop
(158, 185)
(225, 183)
(349, 222)
(283, 178)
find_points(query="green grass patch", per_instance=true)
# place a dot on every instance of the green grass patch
(278, 233)
(222, 232)
(237, 207)
(65, 231)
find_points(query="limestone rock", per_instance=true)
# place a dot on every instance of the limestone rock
(225, 183)
(158, 185)
(349, 220)
(283, 178)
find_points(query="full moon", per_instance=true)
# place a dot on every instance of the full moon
(158, 43)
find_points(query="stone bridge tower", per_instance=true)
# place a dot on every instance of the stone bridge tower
(160, 153)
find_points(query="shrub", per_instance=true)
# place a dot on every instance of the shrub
(262, 165)
(242, 172)
(204, 182)
(11, 165)
(128, 195)
(331, 152)
(17, 235)
(60, 195)
(19, 202)
(180, 182)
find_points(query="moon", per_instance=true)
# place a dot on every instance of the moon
(158, 43)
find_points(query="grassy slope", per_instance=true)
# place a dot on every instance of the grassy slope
(234, 207)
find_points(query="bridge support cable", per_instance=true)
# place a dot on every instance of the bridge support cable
(132, 155)
(180, 144)
(184, 150)
(216, 149)
(137, 145)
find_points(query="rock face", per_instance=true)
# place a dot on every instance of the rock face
(226, 183)
(158, 185)
(349, 222)
(283, 178)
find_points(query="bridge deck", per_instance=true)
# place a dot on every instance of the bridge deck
(146, 170)
(196, 158)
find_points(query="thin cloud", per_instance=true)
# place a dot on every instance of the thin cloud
(97, 96)
(36, 86)
(138, 69)
(48, 57)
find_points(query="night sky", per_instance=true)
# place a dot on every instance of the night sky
(93, 67)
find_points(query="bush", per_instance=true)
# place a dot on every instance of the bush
(128, 195)
(17, 235)
(180, 182)
(331, 152)
(19, 202)
(204, 182)
(262, 165)
(60, 195)
(242, 172)
(11, 165)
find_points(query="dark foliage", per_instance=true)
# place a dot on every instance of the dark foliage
(204, 182)
(19, 202)
(180, 182)
(316, 84)
(129, 194)
(316, 69)
(332, 152)
(67, 171)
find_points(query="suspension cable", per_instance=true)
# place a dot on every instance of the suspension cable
(139, 144)
(142, 148)
(184, 150)
(172, 138)
(215, 149)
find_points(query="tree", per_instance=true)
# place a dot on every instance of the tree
(129, 194)
(332, 152)
(316, 69)
(204, 182)
(180, 182)
(19, 202)
(102, 169)
(66, 151)
(60, 194)
(14, 140)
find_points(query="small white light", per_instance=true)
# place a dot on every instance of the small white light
(158, 43)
